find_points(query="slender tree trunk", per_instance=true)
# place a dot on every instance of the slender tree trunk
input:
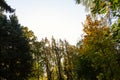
(38, 71)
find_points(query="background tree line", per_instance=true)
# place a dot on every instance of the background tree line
(95, 57)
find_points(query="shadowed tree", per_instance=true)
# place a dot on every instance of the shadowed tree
(58, 52)
(5, 6)
(68, 60)
(15, 56)
(98, 53)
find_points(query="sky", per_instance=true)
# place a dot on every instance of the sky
(61, 19)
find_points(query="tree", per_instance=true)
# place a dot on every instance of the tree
(46, 57)
(101, 6)
(5, 6)
(98, 52)
(15, 57)
(69, 52)
(57, 49)
(35, 48)
(38, 64)
(83, 69)
(110, 9)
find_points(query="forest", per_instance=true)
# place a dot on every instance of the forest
(96, 56)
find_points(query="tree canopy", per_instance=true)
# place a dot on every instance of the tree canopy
(95, 57)
(5, 6)
(15, 56)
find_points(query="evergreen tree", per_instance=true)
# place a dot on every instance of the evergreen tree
(5, 6)
(15, 56)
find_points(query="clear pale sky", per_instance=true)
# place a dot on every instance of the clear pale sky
(46, 18)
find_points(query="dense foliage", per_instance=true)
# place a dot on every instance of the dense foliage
(98, 53)
(15, 56)
(100, 46)
(5, 6)
(95, 57)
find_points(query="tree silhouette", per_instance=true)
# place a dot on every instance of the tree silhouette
(15, 56)
(5, 6)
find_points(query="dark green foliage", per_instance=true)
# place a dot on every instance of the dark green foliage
(99, 53)
(84, 69)
(15, 57)
(5, 6)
